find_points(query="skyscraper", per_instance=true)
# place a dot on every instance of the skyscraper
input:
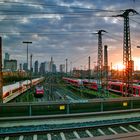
(42, 68)
(25, 66)
(10, 65)
(7, 56)
(36, 67)
(53, 68)
(62, 68)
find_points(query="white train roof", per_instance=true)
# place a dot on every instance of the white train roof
(17, 84)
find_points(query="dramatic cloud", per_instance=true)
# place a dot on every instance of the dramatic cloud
(63, 29)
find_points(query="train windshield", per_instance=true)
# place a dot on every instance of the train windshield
(39, 87)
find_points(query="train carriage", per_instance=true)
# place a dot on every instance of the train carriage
(90, 84)
(113, 86)
(116, 87)
(39, 91)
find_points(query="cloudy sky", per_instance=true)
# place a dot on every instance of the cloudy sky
(63, 29)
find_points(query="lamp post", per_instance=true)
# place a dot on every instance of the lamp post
(27, 42)
(31, 56)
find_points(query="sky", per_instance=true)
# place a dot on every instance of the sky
(65, 29)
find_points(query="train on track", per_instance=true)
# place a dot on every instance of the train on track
(19, 88)
(39, 91)
(116, 87)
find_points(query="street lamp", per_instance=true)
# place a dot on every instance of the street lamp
(27, 42)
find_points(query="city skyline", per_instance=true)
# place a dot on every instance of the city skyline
(65, 30)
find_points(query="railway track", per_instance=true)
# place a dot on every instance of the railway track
(72, 130)
(74, 133)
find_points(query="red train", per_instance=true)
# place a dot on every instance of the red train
(117, 87)
(39, 91)
(90, 84)
(73, 82)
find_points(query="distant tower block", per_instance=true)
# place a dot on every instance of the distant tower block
(20, 67)
(66, 65)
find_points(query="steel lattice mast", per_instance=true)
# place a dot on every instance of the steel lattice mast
(105, 67)
(100, 59)
(127, 59)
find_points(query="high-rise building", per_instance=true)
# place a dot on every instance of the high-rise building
(7, 56)
(10, 65)
(53, 68)
(42, 68)
(25, 66)
(62, 68)
(36, 67)
(20, 67)
(51, 65)
(47, 66)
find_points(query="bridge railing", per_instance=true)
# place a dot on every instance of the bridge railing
(68, 107)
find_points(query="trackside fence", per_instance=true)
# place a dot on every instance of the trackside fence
(68, 107)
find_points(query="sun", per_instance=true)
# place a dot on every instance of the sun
(118, 66)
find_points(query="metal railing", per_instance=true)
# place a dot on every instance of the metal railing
(68, 107)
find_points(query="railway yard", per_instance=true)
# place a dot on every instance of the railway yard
(59, 90)
(67, 111)
(72, 81)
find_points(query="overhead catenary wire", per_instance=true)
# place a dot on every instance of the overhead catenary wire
(118, 38)
(55, 5)
(84, 56)
(77, 14)
(50, 17)
(134, 21)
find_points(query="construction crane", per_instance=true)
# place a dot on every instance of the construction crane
(127, 59)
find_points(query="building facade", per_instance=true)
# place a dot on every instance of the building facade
(36, 67)
(25, 66)
(62, 68)
(10, 65)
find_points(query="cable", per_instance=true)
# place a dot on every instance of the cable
(39, 17)
(21, 13)
(119, 38)
(134, 21)
(85, 56)
(48, 5)
(50, 33)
